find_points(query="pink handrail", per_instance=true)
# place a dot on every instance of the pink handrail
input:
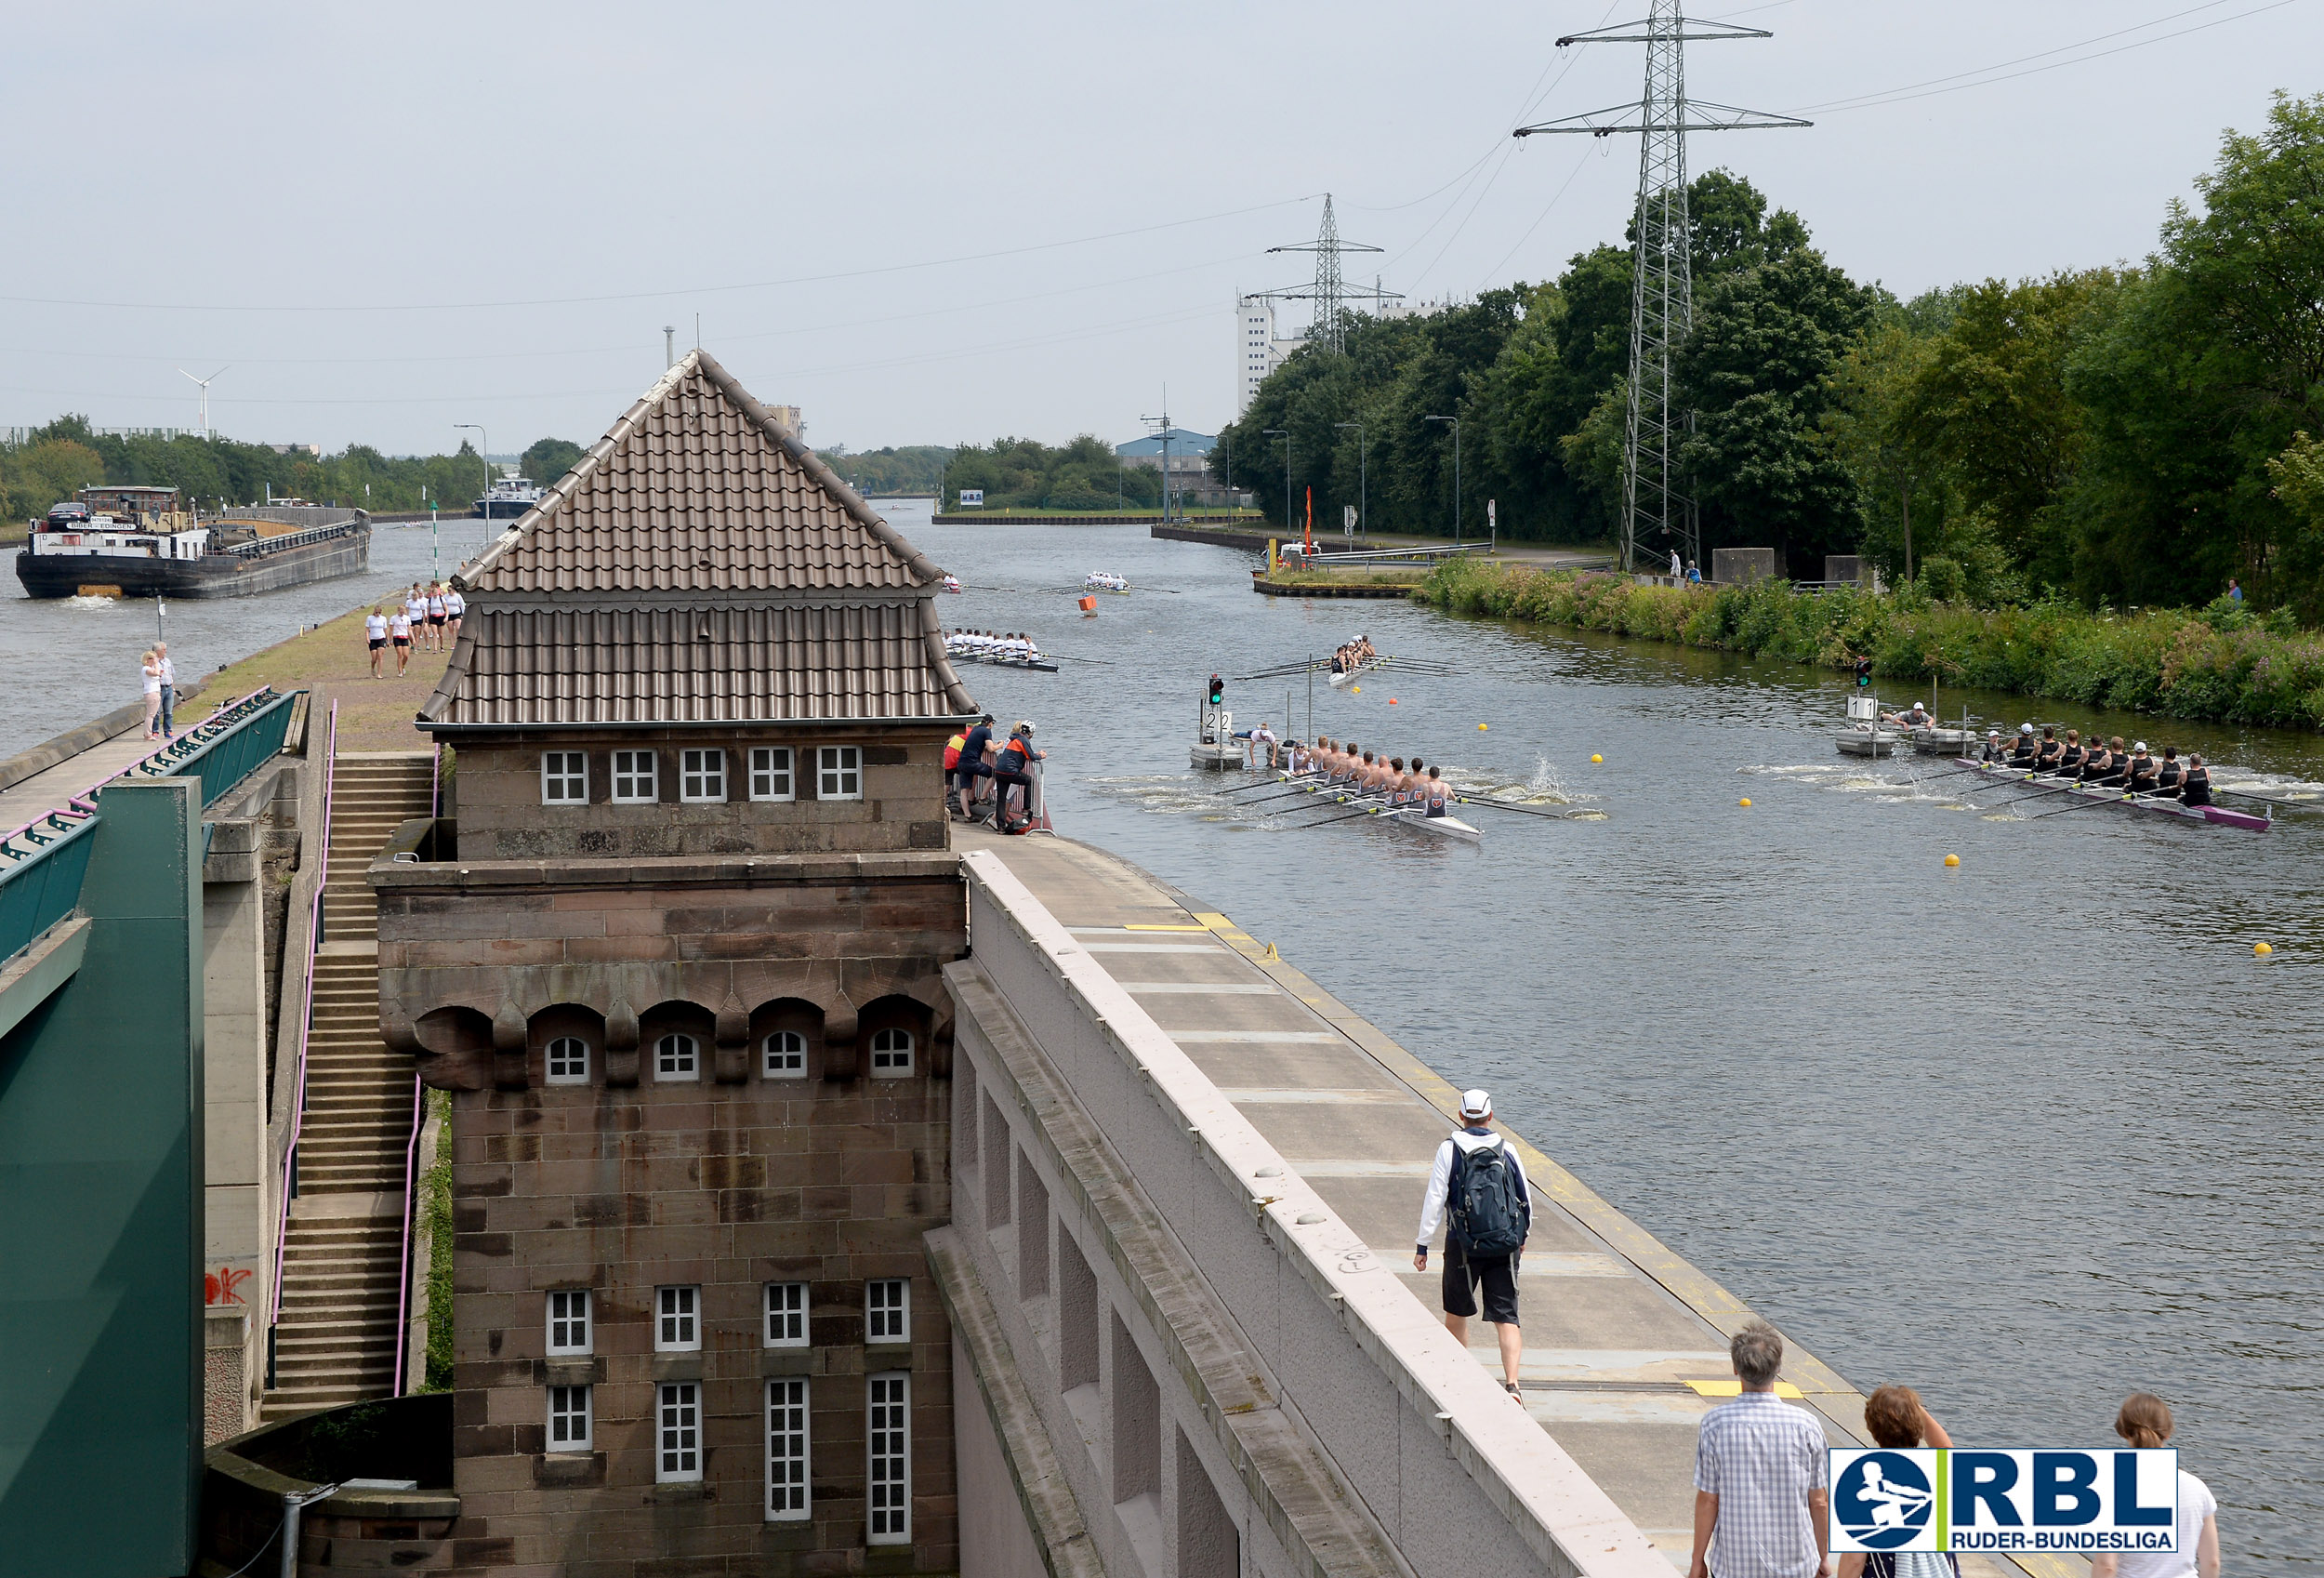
(404, 1281)
(306, 1022)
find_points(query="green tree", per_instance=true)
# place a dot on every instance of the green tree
(546, 460)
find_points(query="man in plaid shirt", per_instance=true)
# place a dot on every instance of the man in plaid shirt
(1760, 1491)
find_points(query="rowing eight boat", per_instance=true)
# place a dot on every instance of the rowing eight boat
(1447, 826)
(1348, 675)
(2218, 815)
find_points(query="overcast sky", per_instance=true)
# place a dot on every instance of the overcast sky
(911, 219)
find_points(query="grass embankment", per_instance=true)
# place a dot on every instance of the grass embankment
(2220, 663)
(332, 661)
(1411, 578)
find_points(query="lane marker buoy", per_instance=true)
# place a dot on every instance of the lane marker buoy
(1480, 728)
(2262, 950)
(1745, 802)
(1597, 759)
(1952, 860)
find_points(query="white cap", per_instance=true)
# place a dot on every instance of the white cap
(2140, 747)
(1475, 1104)
(2025, 728)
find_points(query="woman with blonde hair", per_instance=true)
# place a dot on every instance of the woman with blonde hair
(152, 671)
(2144, 1421)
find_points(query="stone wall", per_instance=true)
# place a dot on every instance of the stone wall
(503, 815)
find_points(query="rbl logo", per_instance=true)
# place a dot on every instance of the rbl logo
(1931, 1500)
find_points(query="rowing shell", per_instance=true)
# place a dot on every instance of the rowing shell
(2218, 815)
(1336, 681)
(1040, 665)
(1447, 826)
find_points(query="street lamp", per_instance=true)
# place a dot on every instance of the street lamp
(1456, 428)
(1363, 482)
(483, 448)
(1285, 437)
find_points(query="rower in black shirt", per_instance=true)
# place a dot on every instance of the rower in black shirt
(2069, 763)
(2169, 775)
(2194, 789)
(2097, 765)
(2022, 754)
(2118, 771)
(2046, 757)
(1994, 749)
(2139, 772)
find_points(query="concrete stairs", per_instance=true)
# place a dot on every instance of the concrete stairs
(342, 1261)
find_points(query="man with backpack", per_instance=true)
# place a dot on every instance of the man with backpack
(1478, 1190)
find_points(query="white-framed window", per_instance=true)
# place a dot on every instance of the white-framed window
(785, 1055)
(890, 1053)
(701, 775)
(565, 778)
(677, 1320)
(786, 1450)
(787, 1315)
(569, 1320)
(887, 1442)
(676, 1056)
(635, 782)
(888, 1309)
(839, 772)
(771, 773)
(568, 1061)
(678, 1431)
(568, 1419)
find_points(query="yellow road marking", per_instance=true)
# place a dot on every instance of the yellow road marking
(1134, 927)
(1732, 1387)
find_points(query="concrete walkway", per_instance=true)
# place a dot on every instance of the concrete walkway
(1626, 1343)
(49, 789)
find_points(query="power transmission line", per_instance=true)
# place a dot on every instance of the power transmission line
(1331, 292)
(1662, 285)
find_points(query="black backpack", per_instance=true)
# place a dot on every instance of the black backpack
(1489, 1213)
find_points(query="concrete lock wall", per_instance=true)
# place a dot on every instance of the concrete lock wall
(1145, 1250)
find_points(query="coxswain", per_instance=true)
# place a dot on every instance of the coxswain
(1994, 749)
(2170, 778)
(2046, 755)
(2195, 788)
(2140, 772)
(2022, 753)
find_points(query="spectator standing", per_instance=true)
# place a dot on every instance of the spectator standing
(1012, 769)
(150, 667)
(2144, 1421)
(1477, 1187)
(971, 766)
(1896, 1419)
(2235, 591)
(169, 689)
(1762, 1498)
(375, 633)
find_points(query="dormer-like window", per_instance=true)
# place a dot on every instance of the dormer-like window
(565, 778)
(771, 773)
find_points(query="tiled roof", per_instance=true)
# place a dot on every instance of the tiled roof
(697, 488)
(781, 662)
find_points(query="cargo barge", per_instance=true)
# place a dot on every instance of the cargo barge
(168, 552)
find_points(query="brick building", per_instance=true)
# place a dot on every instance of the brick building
(675, 950)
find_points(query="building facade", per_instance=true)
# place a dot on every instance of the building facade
(678, 957)
(1258, 352)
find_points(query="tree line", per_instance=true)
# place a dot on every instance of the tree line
(2132, 434)
(1023, 474)
(55, 462)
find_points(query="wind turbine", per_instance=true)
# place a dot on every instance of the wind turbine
(205, 395)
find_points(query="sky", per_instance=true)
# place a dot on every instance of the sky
(935, 224)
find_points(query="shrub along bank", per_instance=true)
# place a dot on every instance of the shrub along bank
(2220, 663)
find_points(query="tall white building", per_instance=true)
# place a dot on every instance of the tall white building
(1256, 350)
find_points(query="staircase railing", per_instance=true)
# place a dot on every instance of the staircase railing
(306, 1023)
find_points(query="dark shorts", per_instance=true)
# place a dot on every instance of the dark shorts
(379, 642)
(1497, 1276)
(435, 618)
(969, 772)
(404, 641)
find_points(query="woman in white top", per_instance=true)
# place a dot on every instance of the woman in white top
(375, 633)
(2145, 1421)
(453, 606)
(151, 669)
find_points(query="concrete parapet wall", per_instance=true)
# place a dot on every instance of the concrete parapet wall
(1459, 1482)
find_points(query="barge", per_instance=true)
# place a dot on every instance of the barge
(168, 552)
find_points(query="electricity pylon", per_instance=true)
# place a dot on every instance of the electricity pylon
(1331, 292)
(1662, 288)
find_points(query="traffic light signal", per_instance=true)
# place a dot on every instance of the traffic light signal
(1218, 689)
(1864, 672)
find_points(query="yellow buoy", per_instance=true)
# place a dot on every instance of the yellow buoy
(2262, 949)
(1597, 759)
(1746, 800)
(1480, 728)
(1952, 860)
(1355, 690)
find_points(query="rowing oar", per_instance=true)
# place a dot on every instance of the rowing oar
(2087, 800)
(1511, 805)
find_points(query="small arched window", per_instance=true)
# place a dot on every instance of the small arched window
(890, 1053)
(786, 1056)
(568, 1061)
(676, 1057)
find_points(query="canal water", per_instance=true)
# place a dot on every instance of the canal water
(66, 660)
(2026, 1133)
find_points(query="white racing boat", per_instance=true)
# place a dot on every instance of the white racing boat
(1446, 827)
(1349, 676)
(1100, 580)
